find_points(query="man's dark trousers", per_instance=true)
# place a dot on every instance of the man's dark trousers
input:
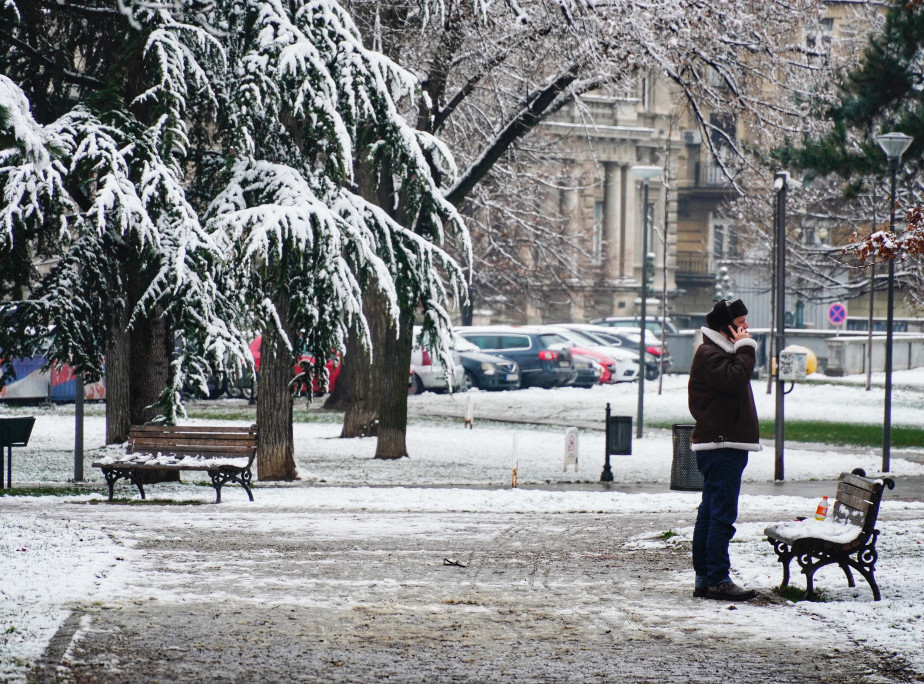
(715, 522)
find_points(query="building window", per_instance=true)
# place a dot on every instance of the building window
(723, 130)
(820, 36)
(724, 241)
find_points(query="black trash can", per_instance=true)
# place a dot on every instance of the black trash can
(685, 475)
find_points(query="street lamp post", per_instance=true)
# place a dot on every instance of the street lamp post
(780, 185)
(646, 173)
(894, 145)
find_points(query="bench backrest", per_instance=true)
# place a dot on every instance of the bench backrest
(858, 498)
(194, 440)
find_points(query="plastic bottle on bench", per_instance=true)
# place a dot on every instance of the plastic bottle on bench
(822, 511)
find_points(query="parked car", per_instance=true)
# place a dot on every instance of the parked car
(588, 371)
(428, 374)
(653, 323)
(656, 357)
(486, 371)
(332, 364)
(543, 356)
(623, 363)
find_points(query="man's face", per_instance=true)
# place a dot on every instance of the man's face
(740, 322)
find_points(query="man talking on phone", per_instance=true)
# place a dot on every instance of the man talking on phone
(721, 402)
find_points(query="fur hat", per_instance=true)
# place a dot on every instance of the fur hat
(723, 313)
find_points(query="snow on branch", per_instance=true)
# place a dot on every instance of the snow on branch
(30, 180)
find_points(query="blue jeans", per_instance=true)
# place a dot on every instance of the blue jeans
(715, 521)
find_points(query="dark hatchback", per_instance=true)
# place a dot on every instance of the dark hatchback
(543, 357)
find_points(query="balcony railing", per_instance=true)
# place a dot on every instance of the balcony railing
(710, 175)
(692, 262)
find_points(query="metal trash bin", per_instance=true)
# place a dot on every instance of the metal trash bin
(685, 475)
(13, 432)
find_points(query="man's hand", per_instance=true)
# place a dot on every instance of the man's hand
(738, 333)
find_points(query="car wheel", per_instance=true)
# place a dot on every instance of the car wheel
(651, 373)
(468, 381)
(417, 386)
(235, 389)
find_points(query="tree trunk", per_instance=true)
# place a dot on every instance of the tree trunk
(276, 443)
(150, 353)
(357, 387)
(118, 387)
(395, 362)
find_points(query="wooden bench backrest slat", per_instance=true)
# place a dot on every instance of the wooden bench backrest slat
(167, 429)
(182, 440)
(846, 514)
(861, 504)
(185, 449)
(860, 482)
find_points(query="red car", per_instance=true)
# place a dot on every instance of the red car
(333, 367)
(609, 366)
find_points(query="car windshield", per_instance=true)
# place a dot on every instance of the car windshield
(581, 337)
(572, 338)
(604, 338)
(600, 338)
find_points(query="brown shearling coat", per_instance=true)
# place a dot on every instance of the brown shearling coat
(719, 394)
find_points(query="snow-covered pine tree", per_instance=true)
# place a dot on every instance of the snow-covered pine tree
(130, 262)
(330, 197)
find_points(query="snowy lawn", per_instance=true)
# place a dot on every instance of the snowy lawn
(47, 568)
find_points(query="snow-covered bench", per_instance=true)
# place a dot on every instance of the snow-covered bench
(846, 537)
(226, 453)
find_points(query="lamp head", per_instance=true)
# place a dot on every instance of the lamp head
(894, 145)
(646, 173)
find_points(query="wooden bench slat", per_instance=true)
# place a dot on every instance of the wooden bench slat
(196, 436)
(182, 453)
(857, 492)
(211, 465)
(167, 429)
(845, 514)
(859, 482)
(195, 439)
(208, 444)
(859, 504)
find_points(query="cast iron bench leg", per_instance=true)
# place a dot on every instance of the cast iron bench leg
(784, 554)
(220, 477)
(113, 475)
(845, 566)
(137, 479)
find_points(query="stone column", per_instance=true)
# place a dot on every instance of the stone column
(612, 220)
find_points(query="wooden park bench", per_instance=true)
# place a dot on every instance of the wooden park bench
(225, 453)
(847, 537)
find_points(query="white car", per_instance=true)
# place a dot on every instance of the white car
(428, 375)
(582, 335)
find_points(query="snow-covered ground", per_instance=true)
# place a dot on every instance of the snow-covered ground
(46, 568)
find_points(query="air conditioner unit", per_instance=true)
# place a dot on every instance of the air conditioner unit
(691, 137)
